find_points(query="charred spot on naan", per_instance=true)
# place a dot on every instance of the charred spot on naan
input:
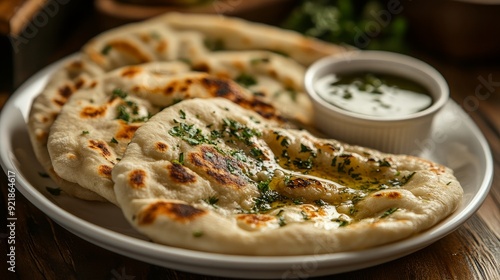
(41, 135)
(137, 178)
(131, 71)
(303, 183)
(80, 83)
(178, 173)
(93, 112)
(219, 87)
(162, 46)
(161, 147)
(309, 211)
(129, 49)
(126, 131)
(255, 221)
(105, 171)
(228, 89)
(178, 212)
(201, 67)
(101, 147)
(63, 93)
(388, 194)
(225, 170)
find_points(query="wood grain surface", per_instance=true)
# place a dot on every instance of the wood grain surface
(45, 250)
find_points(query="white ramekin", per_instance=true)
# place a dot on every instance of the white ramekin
(392, 134)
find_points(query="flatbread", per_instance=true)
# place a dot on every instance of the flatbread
(74, 75)
(268, 60)
(206, 174)
(94, 127)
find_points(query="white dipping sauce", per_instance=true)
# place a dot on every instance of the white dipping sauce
(368, 95)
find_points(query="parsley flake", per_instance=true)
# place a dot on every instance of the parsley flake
(53, 191)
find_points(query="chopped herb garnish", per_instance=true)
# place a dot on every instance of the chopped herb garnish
(334, 161)
(132, 105)
(341, 222)
(122, 113)
(183, 114)
(198, 233)
(347, 95)
(281, 218)
(106, 49)
(384, 163)
(215, 44)
(403, 181)
(212, 200)
(118, 92)
(304, 215)
(246, 80)
(256, 152)
(320, 202)
(85, 132)
(304, 148)
(389, 212)
(356, 176)
(114, 141)
(303, 164)
(155, 35)
(189, 133)
(53, 191)
(267, 196)
(280, 52)
(285, 142)
(258, 60)
(297, 201)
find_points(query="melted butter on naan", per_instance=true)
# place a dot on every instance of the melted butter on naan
(247, 185)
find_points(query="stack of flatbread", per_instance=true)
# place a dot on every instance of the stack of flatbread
(190, 124)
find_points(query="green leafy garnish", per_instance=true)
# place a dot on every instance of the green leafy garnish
(355, 23)
(53, 191)
(215, 44)
(122, 113)
(212, 200)
(118, 92)
(246, 80)
(106, 49)
(389, 212)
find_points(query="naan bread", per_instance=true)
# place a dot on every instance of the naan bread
(94, 127)
(268, 60)
(76, 74)
(207, 174)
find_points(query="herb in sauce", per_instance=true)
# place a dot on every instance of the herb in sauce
(373, 94)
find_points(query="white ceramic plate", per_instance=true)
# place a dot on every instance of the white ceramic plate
(456, 142)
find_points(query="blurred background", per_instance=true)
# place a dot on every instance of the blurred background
(460, 33)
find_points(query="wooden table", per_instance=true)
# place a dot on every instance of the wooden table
(45, 250)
